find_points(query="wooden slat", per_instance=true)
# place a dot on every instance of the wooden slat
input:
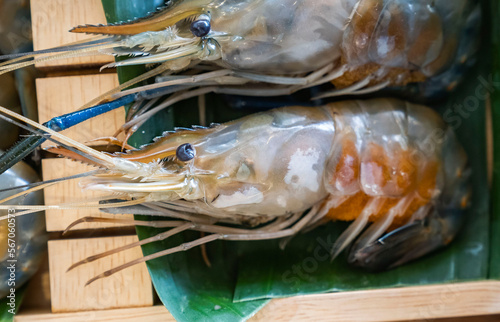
(419, 303)
(397, 304)
(52, 19)
(69, 191)
(61, 95)
(143, 314)
(128, 288)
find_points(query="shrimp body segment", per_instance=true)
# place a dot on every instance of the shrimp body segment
(385, 164)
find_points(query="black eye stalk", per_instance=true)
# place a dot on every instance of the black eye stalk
(185, 152)
(201, 26)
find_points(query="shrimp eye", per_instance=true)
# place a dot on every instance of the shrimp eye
(185, 152)
(200, 28)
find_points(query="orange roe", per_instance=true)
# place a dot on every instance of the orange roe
(396, 174)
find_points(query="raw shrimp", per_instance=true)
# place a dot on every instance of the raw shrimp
(277, 47)
(385, 164)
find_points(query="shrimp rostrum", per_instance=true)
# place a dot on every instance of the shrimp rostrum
(282, 46)
(392, 168)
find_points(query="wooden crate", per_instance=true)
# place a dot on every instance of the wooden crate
(409, 303)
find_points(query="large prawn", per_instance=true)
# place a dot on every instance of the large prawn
(277, 173)
(277, 47)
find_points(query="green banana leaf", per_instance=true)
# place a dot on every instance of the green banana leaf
(244, 275)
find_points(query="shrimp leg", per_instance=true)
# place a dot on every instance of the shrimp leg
(155, 238)
(224, 234)
(211, 82)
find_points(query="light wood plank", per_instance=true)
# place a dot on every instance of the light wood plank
(128, 288)
(149, 314)
(52, 20)
(70, 191)
(397, 304)
(419, 303)
(61, 95)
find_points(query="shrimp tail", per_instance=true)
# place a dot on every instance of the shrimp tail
(410, 241)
